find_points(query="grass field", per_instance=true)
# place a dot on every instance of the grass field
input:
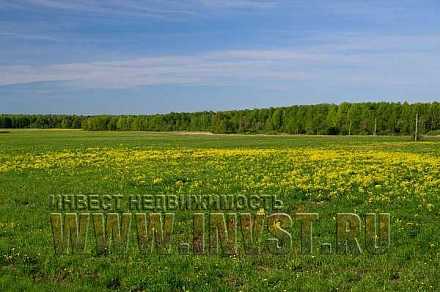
(326, 175)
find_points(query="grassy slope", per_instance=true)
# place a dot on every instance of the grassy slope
(27, 259)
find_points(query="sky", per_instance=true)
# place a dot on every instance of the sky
(158, 56)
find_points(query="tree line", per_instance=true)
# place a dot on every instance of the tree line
(322, 119)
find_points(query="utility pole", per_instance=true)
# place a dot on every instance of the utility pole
(375, 126)
(416, 135)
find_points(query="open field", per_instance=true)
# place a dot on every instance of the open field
(325, 175)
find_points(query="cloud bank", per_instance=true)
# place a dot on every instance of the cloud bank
(393, 59)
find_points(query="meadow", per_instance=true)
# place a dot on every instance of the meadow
(319, 174)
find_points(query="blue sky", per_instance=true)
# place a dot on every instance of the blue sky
(133, 56)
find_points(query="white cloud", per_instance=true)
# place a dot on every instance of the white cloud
(239, 3)
(26, 36)
(374, 60)
(215, 67)
(151, 8)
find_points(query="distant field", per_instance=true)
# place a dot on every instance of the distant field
(319, 174)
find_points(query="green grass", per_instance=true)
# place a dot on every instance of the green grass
(28, 261)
